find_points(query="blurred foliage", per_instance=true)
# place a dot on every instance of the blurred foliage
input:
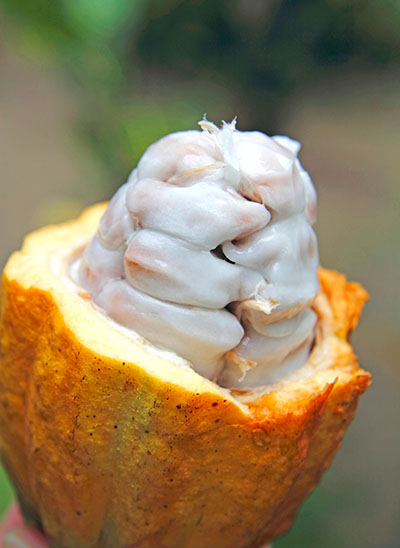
(148, 67)
(6, 492)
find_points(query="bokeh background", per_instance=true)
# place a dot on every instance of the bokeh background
(87, 85)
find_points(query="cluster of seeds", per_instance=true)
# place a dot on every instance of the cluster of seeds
(208, 250)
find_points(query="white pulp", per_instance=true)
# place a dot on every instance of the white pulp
(208, 250)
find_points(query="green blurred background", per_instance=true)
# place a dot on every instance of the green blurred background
(87, 85)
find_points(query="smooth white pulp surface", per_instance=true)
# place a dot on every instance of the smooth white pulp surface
(208, 250)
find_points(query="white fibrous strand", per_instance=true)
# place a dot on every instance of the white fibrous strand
(208, 251)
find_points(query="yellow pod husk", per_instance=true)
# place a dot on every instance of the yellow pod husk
(111, 444)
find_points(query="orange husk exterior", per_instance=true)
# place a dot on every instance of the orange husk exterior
(110, 445)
